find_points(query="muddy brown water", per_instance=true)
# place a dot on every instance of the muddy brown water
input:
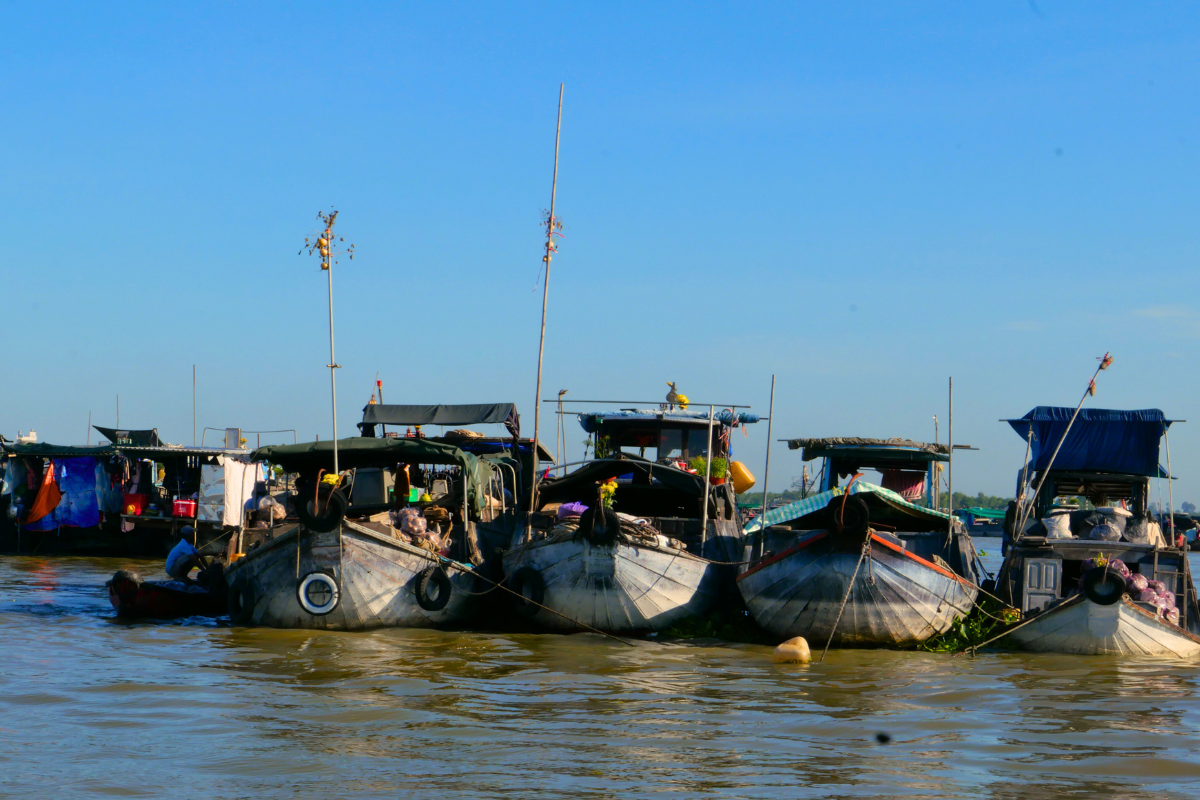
(90, 706)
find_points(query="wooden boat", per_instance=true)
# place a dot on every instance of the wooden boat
(1051, 574)
(861, 565)
(133, 597)
(1124, 628)
(898, 597)
(333, 571)
(617, 587)
(353, 578)
(650, 561)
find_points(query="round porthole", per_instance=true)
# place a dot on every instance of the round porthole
(318, 593)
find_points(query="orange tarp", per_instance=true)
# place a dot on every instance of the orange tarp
(48, 498)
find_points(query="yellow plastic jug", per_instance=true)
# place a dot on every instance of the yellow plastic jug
(743, 481)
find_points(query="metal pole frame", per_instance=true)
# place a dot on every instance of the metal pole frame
(707, 481)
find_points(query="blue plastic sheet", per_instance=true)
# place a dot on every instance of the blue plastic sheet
(78, 479)
(1101, 440)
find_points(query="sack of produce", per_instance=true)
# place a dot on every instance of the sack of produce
(412, 522)
(1137, 530)
(1172, 616)
(1058, 526)
(1144, 595)
(1105, 532)
(1138, 582)
(1119, 566)
(1158, 586)
(1168, 598)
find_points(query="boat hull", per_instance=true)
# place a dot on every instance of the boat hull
(376, 578)
(133, 598)
(1081, 627)
(617, 588)
(898, 598)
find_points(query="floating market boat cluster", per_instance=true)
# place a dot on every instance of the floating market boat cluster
(465, 529)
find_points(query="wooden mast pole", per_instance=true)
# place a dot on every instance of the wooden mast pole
(950, 467)
(537, 400)
(767, 467)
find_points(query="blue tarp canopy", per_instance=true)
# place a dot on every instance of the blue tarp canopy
(1101, 440)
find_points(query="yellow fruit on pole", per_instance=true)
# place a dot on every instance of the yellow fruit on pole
(681, 401)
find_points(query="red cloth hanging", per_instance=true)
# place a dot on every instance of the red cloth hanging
(909, 484)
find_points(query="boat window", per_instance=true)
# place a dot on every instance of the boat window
(670, 443)
(697, 442)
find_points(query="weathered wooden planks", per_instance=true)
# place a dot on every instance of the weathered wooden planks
(1082, 627)
(618, 588)
(897, 598)
(375, 574)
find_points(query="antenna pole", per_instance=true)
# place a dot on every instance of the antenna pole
(537, 400)
(193, 405)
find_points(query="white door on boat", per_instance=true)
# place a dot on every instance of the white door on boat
(1043, 577)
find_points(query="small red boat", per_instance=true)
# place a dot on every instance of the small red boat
(133, 597)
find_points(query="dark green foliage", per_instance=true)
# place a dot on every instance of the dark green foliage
(988, 619)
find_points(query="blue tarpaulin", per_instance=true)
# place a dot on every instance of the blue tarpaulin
(78, 480)
(1101, 440)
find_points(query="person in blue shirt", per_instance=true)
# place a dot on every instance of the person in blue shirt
(182, 558)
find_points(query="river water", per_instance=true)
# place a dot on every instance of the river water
(94, 707)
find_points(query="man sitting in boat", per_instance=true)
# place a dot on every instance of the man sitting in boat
(182, 558)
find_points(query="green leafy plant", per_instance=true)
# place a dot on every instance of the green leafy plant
(988, 619)
(720, 467)
(604, 447)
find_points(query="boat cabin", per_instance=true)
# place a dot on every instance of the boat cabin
(651, 454)
(1091, 506)
(895, 478)
(665, 436)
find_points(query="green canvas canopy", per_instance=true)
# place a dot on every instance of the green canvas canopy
(308, 458)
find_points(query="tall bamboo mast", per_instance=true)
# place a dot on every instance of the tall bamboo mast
(551, 224)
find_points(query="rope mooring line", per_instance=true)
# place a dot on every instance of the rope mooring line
(500, 585)
(866, 548)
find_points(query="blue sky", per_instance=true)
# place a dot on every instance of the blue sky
(863, 199)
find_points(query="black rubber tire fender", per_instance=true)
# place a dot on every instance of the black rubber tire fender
(599, 525)
(433, 588)
(1103, 586)
(851, 515)
(530, 586)
(239, 601)
(333, 505)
